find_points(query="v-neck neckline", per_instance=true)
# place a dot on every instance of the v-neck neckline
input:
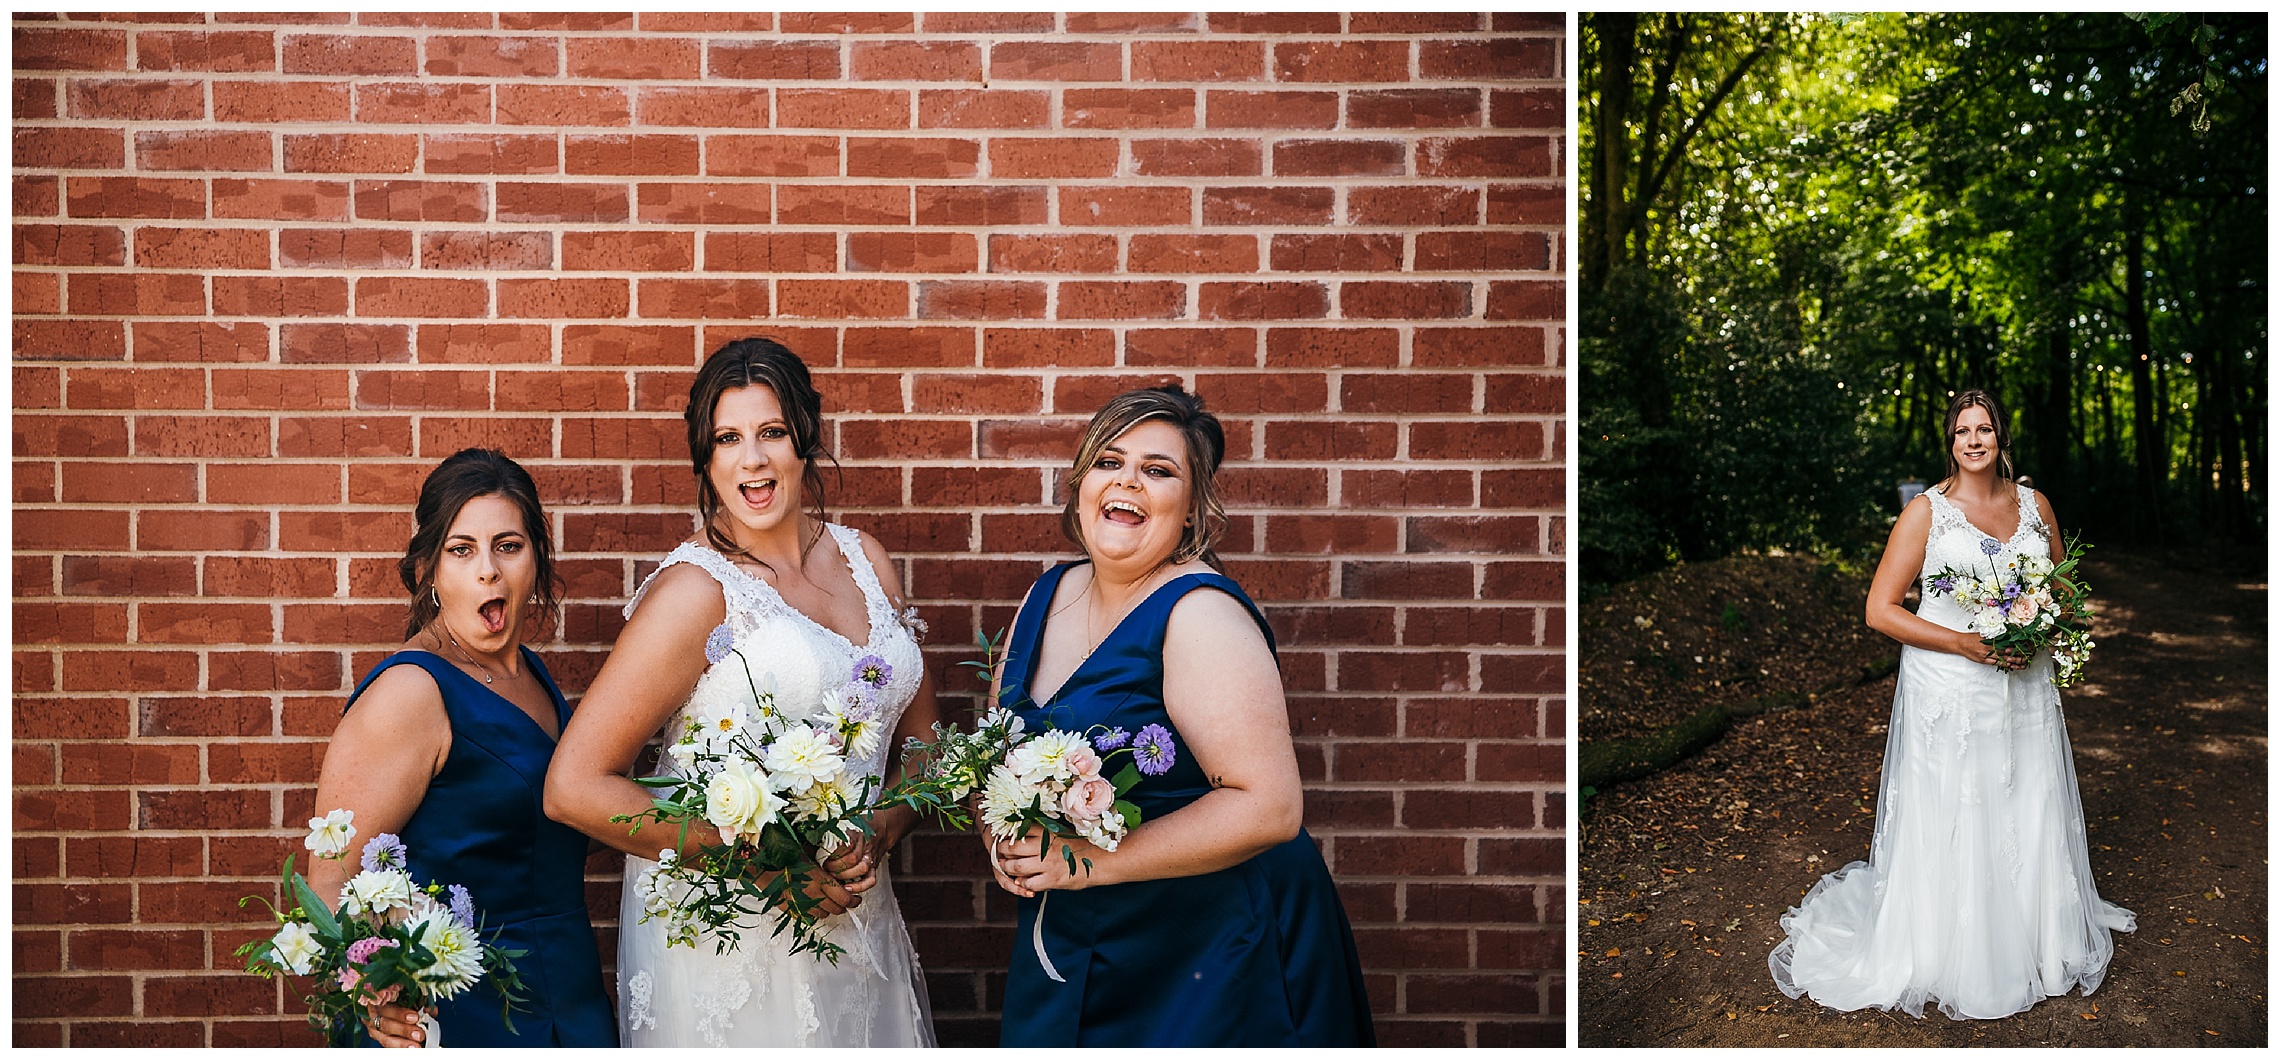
(1037, 643)
(553, 694)
(2019, 501)
(870, 624)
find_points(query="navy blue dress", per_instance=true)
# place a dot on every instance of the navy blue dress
(1256, 954)
(483, 825)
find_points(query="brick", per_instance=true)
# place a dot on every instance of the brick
(1342, 61)
(36, 292)
(1411, 108)
(974, 394)
(130, 856)
(1345, 347)
(522, 438)
(1340, 158)
(70, 245)
(1281, 22)
(971, 206)
(1040, 347)
(206, 996)
(637, 58)
(601, 344)
(843, 108)
(421, 200)
(1401, 762)
(1203, 60)
(135, 388)
(1526, 204)
(615, 251)
(1414, 22)
(489, 251)
(1121, 300)
(174, 1034)
(344, 343)
(900, 347)
(1273, 392)
(58, 340)
(1053, 158)
(87, 995)
(192, 248)
(471, 56)
(921, 60)
(1526, 300)
(615, 154)
(1196, 158)
(489, 153)
(267, 102)
(424, 103)
(1331, 534)
(1410, 205)
(839, 299)
(1314, 441)
(1473, 533)
(352, 56)
(909, 440)
(44, 48)
(77, 435)
(201, 436)
(1271, 110)
(1501, 441)
(1495, 59)
(87, 482)
(308, 248)
(572, 105)
(265, 671)
(420, 390)
(598, 297)
(708, 105)
(1402, 856)
(1526, 580)
(1537, 108)
(485, 343)
(1494, 347)
(137, 576)
(931, 158)
(267, 763)
(337, 437)
(154, 197)
(1126, 207)
(1515, 857)
(401, 296)
(1056, 61)
(1268, 206)
(1505, 674)
(1485, 156)
(69, 148)
(338, 624)
(577, 203)
(1192, 347)
(1427, 488)
(1483, 626)
(703, 299)
(138, 294)
(281, 200)
(704, 204)
(41, 622)
(1193, 253)
(1399, 300)
(34, 98)
(1128, 108)
(575, 21)
(273, 483)
(963, 108)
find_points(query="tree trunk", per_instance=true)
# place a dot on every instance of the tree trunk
(1618, 35)
(2150, 466)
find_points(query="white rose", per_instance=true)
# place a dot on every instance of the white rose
(737, 800)
(1048, 756)
(297, 948)
(330, 835)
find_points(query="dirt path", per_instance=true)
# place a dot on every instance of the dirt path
(1685, 875)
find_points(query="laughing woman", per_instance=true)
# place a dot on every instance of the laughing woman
(446, 743)
(1214, 923)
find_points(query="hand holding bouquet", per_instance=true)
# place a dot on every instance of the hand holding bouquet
(390, 941)
(2025, 605)
(780, 791)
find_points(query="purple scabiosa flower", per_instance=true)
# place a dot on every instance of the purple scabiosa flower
(362, 950)
(1943, 584)
(719, 644)
(873, 671)
(463, 907)
(858, 707)
(385, 851)
(1111, 740)
(1990, 547)
(1152, 750)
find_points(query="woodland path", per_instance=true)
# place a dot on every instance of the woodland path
(1685, 874)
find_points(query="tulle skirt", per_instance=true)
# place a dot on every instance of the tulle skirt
(1977, 894)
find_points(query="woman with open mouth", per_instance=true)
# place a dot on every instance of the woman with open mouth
(446, 744)
(1214, 922)
(769, 584)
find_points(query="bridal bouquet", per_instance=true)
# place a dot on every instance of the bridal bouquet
(389, 941)
(781, 793)
(2025, 605)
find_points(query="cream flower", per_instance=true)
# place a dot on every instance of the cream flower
(458, 954)
(376, 892)
(297, 949)
(1048, 756)
(1004, 798)
(801, 758)
(330, 835)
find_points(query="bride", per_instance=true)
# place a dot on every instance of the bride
(1977, 893)
(810, 603)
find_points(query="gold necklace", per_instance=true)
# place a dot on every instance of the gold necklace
(1139, 595)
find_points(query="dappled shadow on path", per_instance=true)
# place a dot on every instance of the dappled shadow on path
(1685, 875)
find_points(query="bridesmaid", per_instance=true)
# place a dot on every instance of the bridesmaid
(1214, 923)
(446, 744)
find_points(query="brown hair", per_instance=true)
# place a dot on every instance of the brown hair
(462, 477)
(756, 362)
(1980, 399)
(1206, 443)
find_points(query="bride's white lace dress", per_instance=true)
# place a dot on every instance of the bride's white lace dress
(762, 994)
(1977, 894)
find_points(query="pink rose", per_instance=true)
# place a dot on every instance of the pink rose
(2023, 609)
(1083, 761)
(1088, 798)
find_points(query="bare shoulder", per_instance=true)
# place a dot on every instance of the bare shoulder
(882, 564)
(1919, 510)
(1207, 616)
(682, 594)
(2043, 508)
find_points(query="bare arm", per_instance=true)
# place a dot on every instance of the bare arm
(657, 659)
(1222, 691)
(1903, 562)
(382, 755)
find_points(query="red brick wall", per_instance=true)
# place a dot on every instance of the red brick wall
(270, 269)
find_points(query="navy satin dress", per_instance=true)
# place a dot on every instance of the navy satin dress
(483, 825)
(1258, 954)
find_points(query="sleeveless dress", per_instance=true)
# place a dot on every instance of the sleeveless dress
(1258, 954)
(483, 825)
(761, 993)
(1977, 894)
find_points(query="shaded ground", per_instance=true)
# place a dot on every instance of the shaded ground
(1685, 874)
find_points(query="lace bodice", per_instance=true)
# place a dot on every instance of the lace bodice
(1955, 542)
(802, 658)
